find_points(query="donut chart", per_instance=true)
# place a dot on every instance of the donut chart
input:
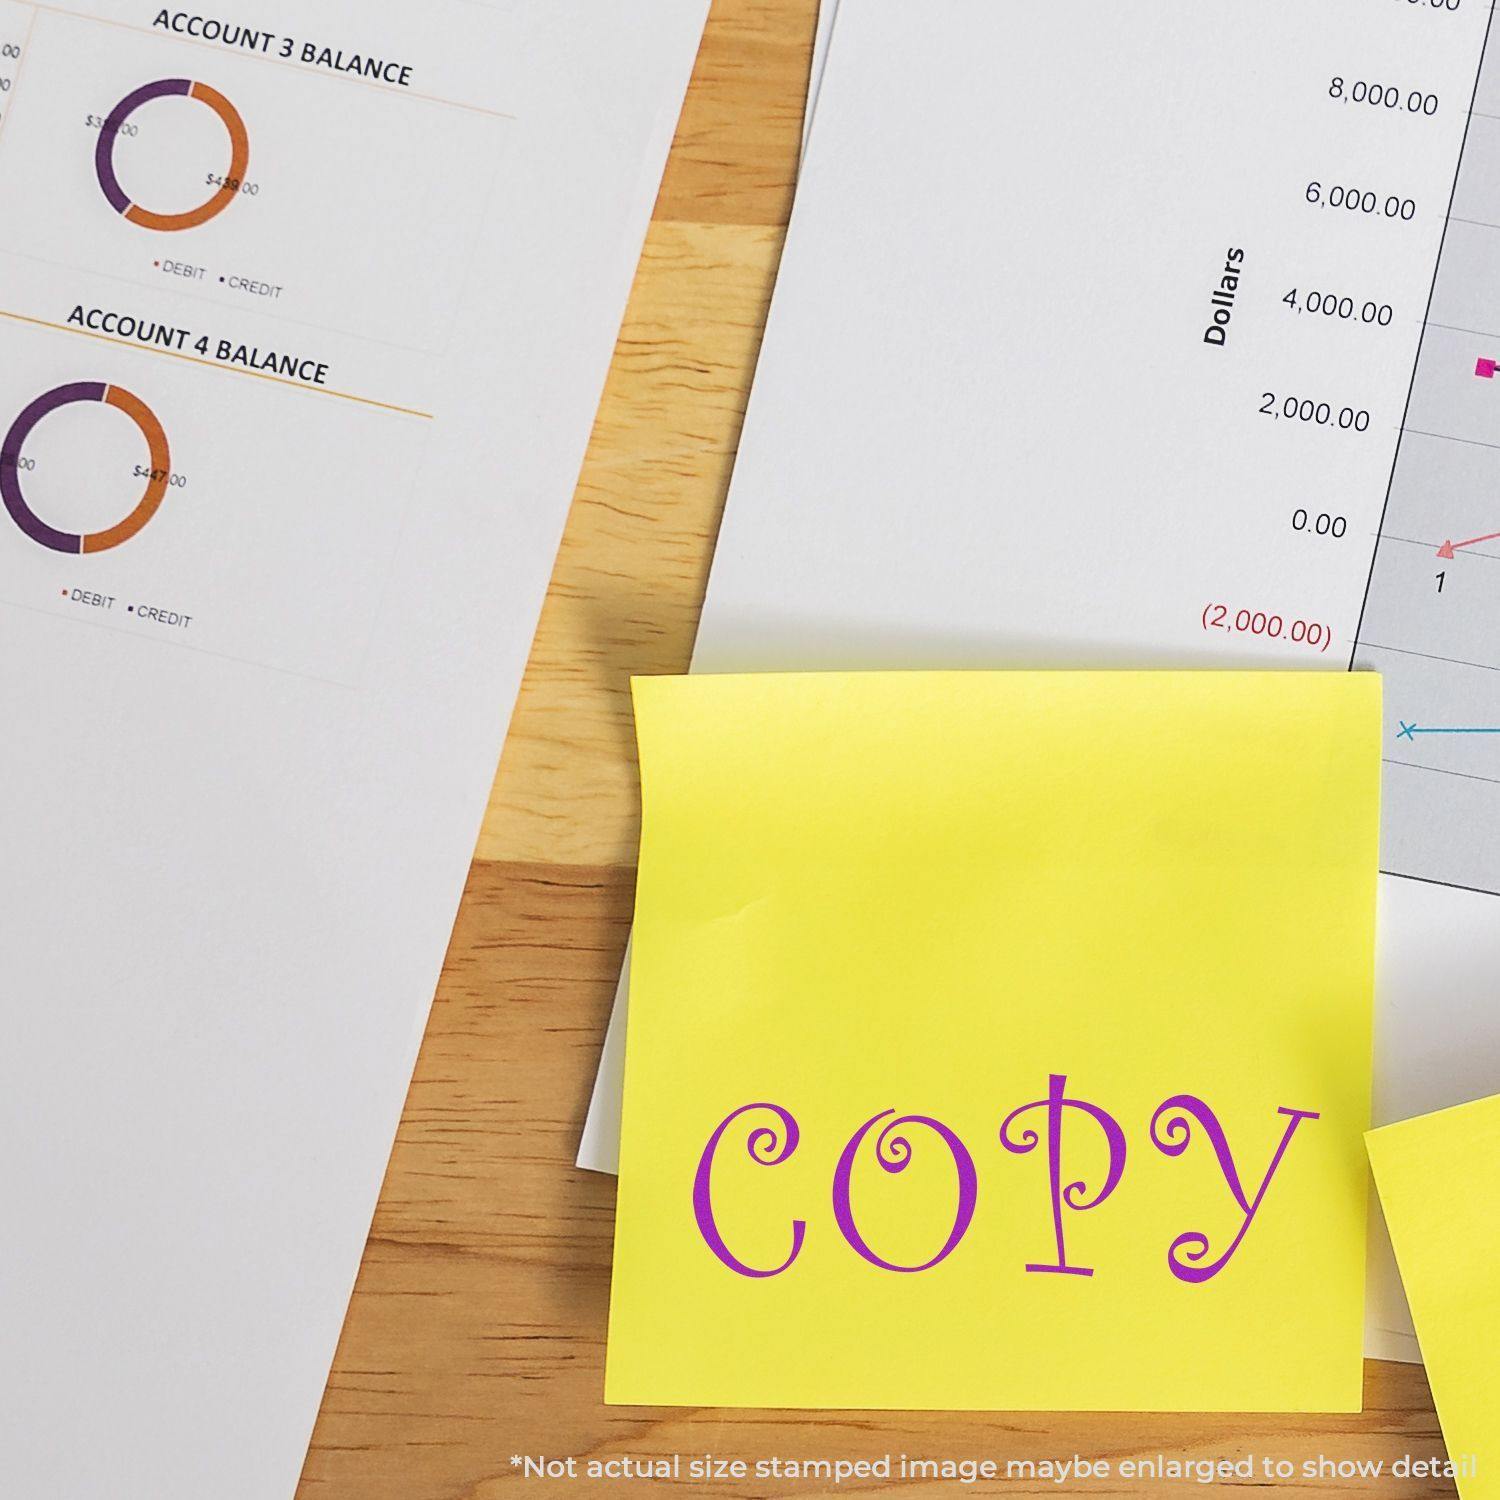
(78, 543)
(167, 88)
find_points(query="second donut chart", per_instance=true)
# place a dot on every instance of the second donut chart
(12, 457)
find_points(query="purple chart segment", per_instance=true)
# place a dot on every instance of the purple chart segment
(10, 465)
(104, 152)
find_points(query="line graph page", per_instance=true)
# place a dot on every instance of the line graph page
(1431, 623)
(1108, 344)
(1093, 345)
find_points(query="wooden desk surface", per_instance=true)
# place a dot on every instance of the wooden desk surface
(477, 1328)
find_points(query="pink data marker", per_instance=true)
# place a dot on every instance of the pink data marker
(1485, 369)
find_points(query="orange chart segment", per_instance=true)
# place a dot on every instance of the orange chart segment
(156, 486)
(233, 180)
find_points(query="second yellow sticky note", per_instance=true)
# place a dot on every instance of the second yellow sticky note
(999, 1041)
(1438, 1188)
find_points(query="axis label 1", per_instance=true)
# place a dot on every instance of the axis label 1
(27, 519)
(166, 88)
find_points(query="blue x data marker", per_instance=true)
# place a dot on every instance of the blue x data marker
(1411, 731)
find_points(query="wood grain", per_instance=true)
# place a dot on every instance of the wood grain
(477, 1328)
(631, 573)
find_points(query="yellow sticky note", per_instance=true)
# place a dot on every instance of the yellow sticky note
(999, 1040)
(1441, 1198)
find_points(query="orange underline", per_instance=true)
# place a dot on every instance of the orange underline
(213, 364)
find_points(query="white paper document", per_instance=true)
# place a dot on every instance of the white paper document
(827, 13)
(1096, 342)
(305, 309)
